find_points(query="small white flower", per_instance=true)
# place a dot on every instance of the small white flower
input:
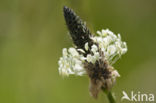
(94, 48)
(98, 32)
(81, 50)
(73, 52)
(115, 74)
(89, 58)
(86, 46)
(119, 36)
(64, 52)
(97, 55)
(78, 69)
(104, 32)
(111, 50)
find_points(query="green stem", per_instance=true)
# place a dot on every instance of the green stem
(109, 96)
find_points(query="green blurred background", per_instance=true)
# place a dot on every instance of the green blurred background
(33, 33)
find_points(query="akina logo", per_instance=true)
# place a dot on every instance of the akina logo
(137, 96)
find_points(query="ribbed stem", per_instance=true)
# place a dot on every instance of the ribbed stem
(109, 96)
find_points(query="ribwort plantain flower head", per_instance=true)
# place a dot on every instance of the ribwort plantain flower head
(91, 55)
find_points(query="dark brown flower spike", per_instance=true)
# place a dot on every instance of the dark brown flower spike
(78, 30)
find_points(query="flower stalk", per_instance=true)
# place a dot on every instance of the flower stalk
(110, 96)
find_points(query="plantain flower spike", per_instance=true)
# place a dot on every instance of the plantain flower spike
(92, 55)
